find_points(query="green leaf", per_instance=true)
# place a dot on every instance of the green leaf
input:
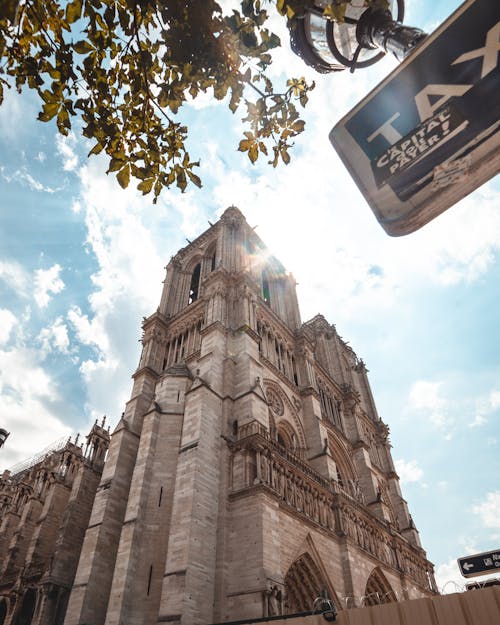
(298, 126)
(96, 149)
(50, 110)
(244, 145)
(194, 178)
(123, 176)
(253, 153)
(73, 11)
(146, 185)
(8, 9)
(181, 180)
(63, 123)
(115, 164)
(83, 47)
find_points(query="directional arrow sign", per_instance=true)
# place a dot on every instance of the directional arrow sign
(480, 564)
(429, 133)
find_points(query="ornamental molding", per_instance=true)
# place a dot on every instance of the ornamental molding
(278, 327)
(290, 414)
(320, 327)
(275, 403)
(201, 242)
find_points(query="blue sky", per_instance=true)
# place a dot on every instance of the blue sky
(81, 262)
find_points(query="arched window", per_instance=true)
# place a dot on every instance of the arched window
(194, 287)
(286, 436)
(266, 295)
(329, 406)
(27, 610)
(346, 473)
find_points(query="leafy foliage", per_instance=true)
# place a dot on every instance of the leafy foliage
(126, 67)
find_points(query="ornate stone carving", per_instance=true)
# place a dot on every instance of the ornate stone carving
(275, 403)
(274, 601)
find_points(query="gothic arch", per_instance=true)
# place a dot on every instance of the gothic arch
(304, 582)
(286, 435)
(211, 257)
(378, 590)
(345, 466)
(195, 281)
(27, 609)
(289, 414)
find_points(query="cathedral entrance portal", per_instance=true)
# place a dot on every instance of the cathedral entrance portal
(303, 584)
(378, 589)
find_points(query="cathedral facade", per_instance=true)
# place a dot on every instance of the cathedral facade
(45, 506)
(250, 471)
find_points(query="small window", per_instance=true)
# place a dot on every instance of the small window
(266, 295)
(195, 284)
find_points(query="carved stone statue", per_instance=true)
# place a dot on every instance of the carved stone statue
(274, 601)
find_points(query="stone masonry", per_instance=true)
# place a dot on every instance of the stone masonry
(250, 471)
(45, 507)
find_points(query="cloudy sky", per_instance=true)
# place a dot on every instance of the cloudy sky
(81, 262)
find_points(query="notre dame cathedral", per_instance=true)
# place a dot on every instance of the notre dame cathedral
(249, 472)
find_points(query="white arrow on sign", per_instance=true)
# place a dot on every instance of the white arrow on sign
(468, 566)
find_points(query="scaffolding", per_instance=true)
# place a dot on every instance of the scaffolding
(24, 465)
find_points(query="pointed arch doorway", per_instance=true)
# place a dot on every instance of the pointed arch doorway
(378, 590)
(304, 582)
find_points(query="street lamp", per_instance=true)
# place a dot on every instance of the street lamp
(3, 436)
(361, 40)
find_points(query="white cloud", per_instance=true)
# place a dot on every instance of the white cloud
(7, 323)
(485, 405)
(23, 176)
(408, 471)
(448, 577)
(478, 420)
(425, 396)
(47, 283)
(121, 231)
(55, 337)
(369, 271)
(15, 276)
(494, 400)
(29, 397)
(489, 510)
(88, 332)
(66, 148)
(17, 114)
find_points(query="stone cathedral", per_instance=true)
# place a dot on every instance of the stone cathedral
(250, 471)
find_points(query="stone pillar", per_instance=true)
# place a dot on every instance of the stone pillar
(90, 593)
(137, 580)
(188, 588)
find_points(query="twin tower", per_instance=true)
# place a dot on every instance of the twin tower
(250, 471)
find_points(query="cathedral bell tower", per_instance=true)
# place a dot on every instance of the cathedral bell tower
(249, 471)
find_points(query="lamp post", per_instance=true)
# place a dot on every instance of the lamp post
(3, 436)
(362, 39)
